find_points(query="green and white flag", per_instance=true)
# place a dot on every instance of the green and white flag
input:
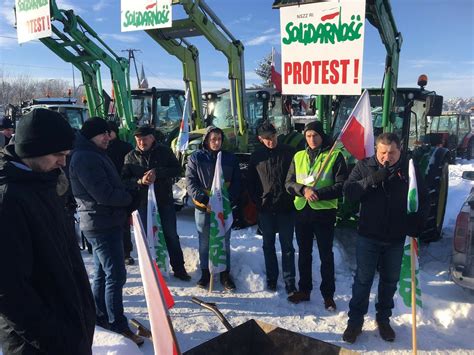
(221, 219)
(404, 284)
(154, 233)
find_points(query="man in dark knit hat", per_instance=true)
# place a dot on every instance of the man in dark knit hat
(315, 179)
(102, 206)
(117, 150)
(46, 304)
(155, 164)
(268, 167)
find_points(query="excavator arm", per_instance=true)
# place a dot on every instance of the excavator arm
(189, 57)
(77, 43)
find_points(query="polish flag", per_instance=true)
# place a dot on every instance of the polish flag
(164, 338)
(357, 135)
(276, 69)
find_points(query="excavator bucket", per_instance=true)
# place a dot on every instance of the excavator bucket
(255, 337)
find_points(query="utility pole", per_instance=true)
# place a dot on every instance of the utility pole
(131, 56)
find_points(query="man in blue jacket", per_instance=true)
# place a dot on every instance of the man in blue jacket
(199, 176)
(102, 201)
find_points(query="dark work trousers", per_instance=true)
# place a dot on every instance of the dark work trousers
(127, 238)
(317, 224)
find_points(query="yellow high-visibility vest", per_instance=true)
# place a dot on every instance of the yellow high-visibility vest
(303, 170)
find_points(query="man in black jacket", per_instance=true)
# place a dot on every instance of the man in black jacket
(152, 163)
(268, 167)
(316, 204)
(103, 203)
(117, 150)
(380, 184)
(46, 304)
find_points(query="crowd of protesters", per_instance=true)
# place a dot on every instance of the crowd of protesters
(46, 302)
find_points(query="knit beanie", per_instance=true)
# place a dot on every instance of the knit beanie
(315, 126)
(42, 132)
(113, 127)
(93, 127)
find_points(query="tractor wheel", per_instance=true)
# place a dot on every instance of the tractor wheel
(437, 185)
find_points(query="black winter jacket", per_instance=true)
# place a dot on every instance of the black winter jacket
(46, 304)
(167, 167)
(97, 187)
(117, 150)
(267, 174)
(383, 207)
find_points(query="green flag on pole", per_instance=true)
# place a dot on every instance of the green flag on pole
(155, 237)
(404, 284)
(221, 220)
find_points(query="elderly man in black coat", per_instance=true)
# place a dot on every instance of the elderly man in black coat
(46, 304)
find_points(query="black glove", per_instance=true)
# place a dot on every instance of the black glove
(379, 176)
(414, 225)
(135, 201)
(202, 198)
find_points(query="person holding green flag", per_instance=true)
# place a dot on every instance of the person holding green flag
(200, 171)
(380, 183)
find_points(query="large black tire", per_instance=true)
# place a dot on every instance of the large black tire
(437, 183)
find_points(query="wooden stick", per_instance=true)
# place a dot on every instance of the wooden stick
(325, 162)
(211, 282)
(413, 295)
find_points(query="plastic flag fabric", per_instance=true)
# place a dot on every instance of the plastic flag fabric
(164, 339)
(404, 286)
(154, 233)
(183, 136)
(276, 69)
(357, 135)
(221, 220)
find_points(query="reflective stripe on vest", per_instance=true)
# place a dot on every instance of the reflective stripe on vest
(302, 171)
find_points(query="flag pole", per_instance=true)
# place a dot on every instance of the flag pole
(413, 295)
(211, 283)
(338, 139)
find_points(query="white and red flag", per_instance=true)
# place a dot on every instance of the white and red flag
(183, 136)
(164, 339)
(357, 135)
(276, 69)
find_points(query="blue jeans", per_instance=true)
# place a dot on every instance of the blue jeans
(168, 223)
(283, 224)
(109, 276)
(370, 256)
(203, 223)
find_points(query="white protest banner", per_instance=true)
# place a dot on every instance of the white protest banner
(322, 47)
(145, 14)
(33, 19)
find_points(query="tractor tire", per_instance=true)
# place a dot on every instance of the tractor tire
(437, 184)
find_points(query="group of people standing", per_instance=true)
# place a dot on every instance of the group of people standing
(46, 303)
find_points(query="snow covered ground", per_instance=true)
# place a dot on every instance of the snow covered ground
(446, 324)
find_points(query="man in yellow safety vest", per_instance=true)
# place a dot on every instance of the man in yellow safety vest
(316, 177)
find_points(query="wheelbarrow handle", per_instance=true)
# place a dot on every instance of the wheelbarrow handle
(213, 308)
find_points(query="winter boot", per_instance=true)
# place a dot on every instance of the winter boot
(299, 296)
(182, 275)
(329, 304)
(351, 333)
(386, 331)
(226, 281)
(204, 280)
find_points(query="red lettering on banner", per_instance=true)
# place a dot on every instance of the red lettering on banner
(38, 24)
(317, 72)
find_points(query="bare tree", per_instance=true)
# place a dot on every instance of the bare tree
(264, 70)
